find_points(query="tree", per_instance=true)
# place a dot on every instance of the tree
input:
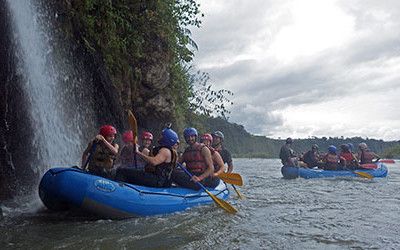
(205, 100)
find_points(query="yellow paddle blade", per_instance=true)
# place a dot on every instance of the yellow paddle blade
(133, 124)
(223, 204)
(231, 178)
(365, 175)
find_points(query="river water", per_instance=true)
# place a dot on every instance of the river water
(276, 214)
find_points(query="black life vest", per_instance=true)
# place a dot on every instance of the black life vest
(164, 169)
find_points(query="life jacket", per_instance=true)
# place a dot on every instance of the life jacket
(194, 159)
(366, 156)
(347, 156)
(331, 161)
(102, 158)
(164, 169)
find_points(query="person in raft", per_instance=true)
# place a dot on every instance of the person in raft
(332, 161)
(219, 166)
(147, 140)
(218, 139)
(102, 152)
(126, 154)
(158, 170)
(127, 158)
(312, 158)
(351, 159)
(365, 154)
(286, 154)
(198, 160)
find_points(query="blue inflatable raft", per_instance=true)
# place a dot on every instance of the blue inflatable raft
(65, 188)
(307, 173)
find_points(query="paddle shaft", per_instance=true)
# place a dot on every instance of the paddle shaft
(237, 191)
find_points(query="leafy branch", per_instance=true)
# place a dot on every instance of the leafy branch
(205, 100)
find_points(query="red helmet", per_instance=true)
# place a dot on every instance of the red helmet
(107, 130)
(147, 135)
(127, 136)
(206, 137)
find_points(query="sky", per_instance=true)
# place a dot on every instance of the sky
(304, 68)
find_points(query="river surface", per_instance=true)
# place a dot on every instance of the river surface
(339, 213)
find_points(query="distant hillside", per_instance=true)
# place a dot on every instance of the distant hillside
(243, 144)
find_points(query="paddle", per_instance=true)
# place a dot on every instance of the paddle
(389, 161)
(238, 193)
(234, 179)
(231, 178)
(133, 124)
(363, 174)
(223, 204)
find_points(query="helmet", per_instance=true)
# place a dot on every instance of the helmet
(107, 130)
(314, 146)
(127, 136)
(219, 134)
(207, 137)
(332, 149)
(168, 138)
(147, 135)
(351, 147)
(344, 147)
(363, 145)
(189, 132)
(289, 140)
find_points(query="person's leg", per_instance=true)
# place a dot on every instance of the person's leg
(210, 182)
(183, 180)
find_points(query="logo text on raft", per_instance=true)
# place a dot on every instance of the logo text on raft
(104, 185)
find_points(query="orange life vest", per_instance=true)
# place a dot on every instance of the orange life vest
(347, 156)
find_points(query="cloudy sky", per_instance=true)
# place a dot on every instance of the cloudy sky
(305, 68)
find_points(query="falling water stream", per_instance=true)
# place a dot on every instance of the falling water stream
(50, 84)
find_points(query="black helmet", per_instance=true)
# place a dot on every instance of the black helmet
(314, 146)
(218, 134)
(289, 140)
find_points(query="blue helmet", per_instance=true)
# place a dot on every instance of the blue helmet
(189, 132)
(332, 149)
(351, 147)
(168, 138)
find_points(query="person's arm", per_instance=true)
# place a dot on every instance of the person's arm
(113, 149)
(377, 157)
(146, 151)
(164, 155)
(218, 160)
(205, 152)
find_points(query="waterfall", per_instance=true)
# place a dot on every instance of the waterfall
(58, 113)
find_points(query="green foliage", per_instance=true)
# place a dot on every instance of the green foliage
(127, 33)
(204, 99)
(243, 144)
(392, 152)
